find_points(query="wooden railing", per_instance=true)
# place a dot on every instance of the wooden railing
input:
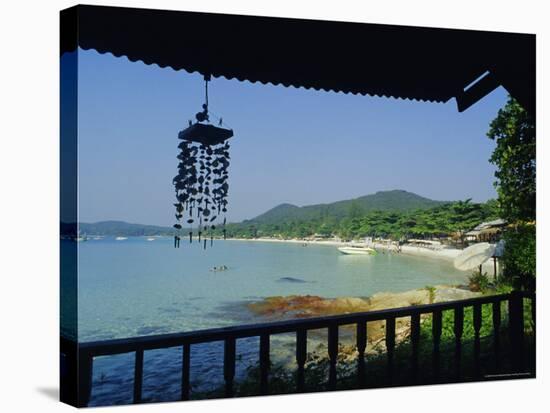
(138, 345)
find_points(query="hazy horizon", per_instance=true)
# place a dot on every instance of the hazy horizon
(291, 145)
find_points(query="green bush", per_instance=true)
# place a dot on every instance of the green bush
(519, 256)
(478, 281)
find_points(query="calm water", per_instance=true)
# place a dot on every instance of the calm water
(139, 287)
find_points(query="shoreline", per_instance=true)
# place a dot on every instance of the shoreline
(330, 243)
(445, 254)
(448, 254)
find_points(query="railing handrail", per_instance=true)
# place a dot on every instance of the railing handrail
(126, 345)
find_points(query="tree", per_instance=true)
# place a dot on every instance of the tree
(355, 210)
(513, 130)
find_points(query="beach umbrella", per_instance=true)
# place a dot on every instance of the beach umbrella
(201, 183)
(474, 256)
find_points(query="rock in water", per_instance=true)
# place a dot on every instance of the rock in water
(292, 280)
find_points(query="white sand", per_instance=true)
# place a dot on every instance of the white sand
(331, 243)
(447, 254)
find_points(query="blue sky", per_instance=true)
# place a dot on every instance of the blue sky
(291, 145)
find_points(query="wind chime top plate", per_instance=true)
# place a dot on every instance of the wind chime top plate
(205, 134)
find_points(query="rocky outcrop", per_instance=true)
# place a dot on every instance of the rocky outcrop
(300, 306)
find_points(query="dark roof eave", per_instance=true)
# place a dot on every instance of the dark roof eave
(424, 64)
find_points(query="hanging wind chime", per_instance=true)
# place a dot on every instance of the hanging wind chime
(201, 183)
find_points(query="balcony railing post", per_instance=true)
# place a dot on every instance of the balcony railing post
(264, 363)
(458, 330)
(415, 342)
(185, 371)
(85, 369)
(390, 346)
(496, 332)
(515, 310)
(361, 334)
(477, 342)
(332, 354)
(229, 365)
(301, 354)
(138, 376)
(436, 333)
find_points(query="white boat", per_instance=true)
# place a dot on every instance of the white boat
(357, 250)
(120, 238)
(151, 239)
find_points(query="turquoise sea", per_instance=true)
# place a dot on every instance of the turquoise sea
(138, 287)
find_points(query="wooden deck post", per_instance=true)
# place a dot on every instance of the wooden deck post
(264, 364)
(138, 376)
(496, 332)
(229, 365)
(458, 330)
(332, 354)
(515, 309)
(85, 370)
(301, 354)
(436, 333)
(185, 371)
(415, 342)
(477, 342)
(390, 346)
(361, 334)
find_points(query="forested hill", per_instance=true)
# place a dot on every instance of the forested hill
(117, 228)
(394, 214)
(396, 201)
(388, 213)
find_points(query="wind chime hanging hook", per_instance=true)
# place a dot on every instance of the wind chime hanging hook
(201, 183)
(203, 116)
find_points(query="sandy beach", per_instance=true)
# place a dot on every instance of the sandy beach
(331, 243)
(444, 253)
(447, 254)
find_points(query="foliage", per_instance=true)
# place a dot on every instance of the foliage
(431, 293)
(443, 219)
(395, 200)
(478, 281)
(520, 253)
(515, 158)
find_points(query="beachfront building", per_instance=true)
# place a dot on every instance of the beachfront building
(486, 231)
(424, 243)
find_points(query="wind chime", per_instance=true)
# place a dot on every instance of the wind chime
(201, 183)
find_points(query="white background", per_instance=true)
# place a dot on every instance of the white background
(29, 192)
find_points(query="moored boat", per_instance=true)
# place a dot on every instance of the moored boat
(357, 250)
